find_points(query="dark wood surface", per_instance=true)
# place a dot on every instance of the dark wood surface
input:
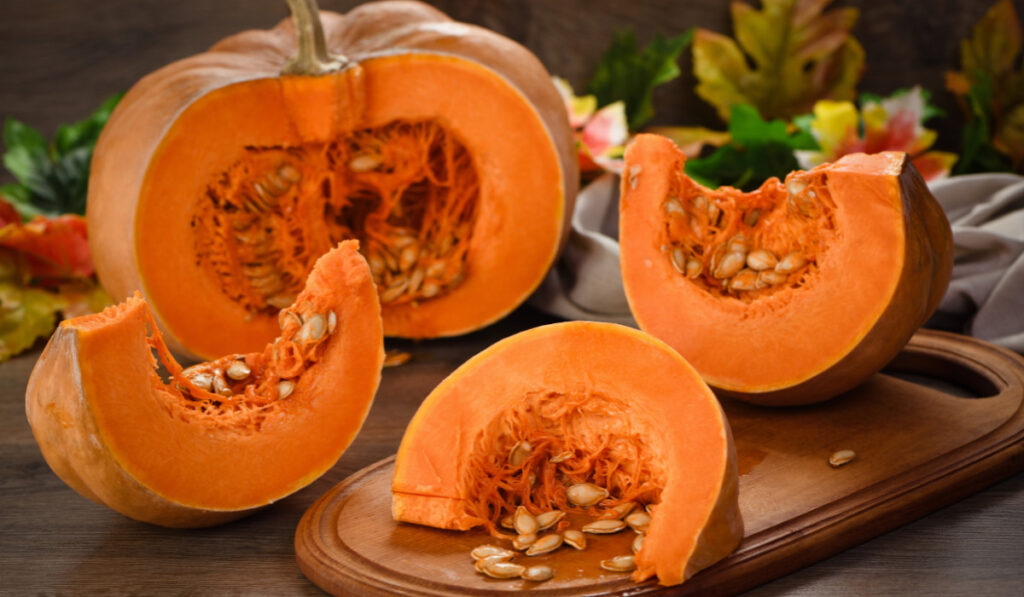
(60, 58)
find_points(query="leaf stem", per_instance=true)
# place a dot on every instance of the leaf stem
(312, 57)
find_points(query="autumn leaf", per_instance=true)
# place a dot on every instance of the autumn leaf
(55, 249)
(800, 54)
(601, 134)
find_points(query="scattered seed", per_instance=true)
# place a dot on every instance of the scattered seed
(729, 265)
(639, 521)
(620, 510)
(575, 539)
(561, 457)
(525, 523)
(546, 520)
(394, 358)
(841, 457)
(484, 551)
(638, 542)
(496, 569)
(238, 371)
(219, 385)
(486, 560)
(745, 279)
(332, 322)
(522, 542)
(586, 494)
(519, 452)
(604, 527)
(538, 573)
(546, 544)
(285, 389)
(365, 162)
(619, 564)
(791, 262)
(761, 259)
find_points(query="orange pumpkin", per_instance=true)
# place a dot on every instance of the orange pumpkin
(790, 294)
(220, 439)
(443, 147)
(546, 417)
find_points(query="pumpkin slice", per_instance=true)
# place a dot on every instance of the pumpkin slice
(790, 294)
(219, 439)
(443, 147)
(537, 416)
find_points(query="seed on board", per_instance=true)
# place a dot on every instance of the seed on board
(332, 322)
(745, 279)
(520, 452)
(538, 573)
(729, 265)
(619, 564)
(604, 527)
(496, 569)
(574, 538)
(561, 457)
(289, 173)
(484, 551)
(841, 457)
(679, 259)
(238, 370)
(203, 381)
(639, 521)
(219, 385)
(313, 329)
(791, 262)
(546, 544)
(586, 494)
(525, 523)
(285, 389)
(638, 542)
(761, 259)
(546, 520)
(478, 565)
(365, 162)
(693, 268)
(522, 542)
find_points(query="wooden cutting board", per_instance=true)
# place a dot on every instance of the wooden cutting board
(944, 420)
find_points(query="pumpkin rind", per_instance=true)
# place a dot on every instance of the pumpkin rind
(886, 262)
(115, 433)
(146, 173)
(697, 521)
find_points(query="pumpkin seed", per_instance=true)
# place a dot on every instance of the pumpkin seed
(525, 523)
(332, 322)
(394, 291)
(508, 522)
(416, 279)
(673, 206)
(281, 301)
(679, 259)
(650, 508)
(522, 542)
(795, 186)
(546, 544)
(485, 551)
(275, 184)
(561, 457)
(738, 244)
(546, 520)
(638, 542)
(496, 569)
(770, 278)
(639, 521)
(729, 265)
(574, 538)
(538, 573)
(520, 452)
(841, 457)
(377, 264)
(238, 371)
(219, 385)
(285, 389)
(761, 259)
(289, 173)
(365, 162)
(700, 203)
(619, 564)
(714, 214)
(586, 494)
(745, 279)
(791, 262)
(408, 256)
(751, 218)
(693, 268)
(429, 290)
(604, 527)
(622, 509)
(313, 329)
(203, 381)
(478, 565)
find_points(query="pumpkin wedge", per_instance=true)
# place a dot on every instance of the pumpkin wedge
(442, 147)
(546, 417)
(219, 439)
(790, 294)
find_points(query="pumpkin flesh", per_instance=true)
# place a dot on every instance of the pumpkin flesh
(181, 451)
(602, 393)
(869, 256)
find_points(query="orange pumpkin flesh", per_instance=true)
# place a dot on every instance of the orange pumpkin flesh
(636, 417)
(182, 454)
(444, 148)
(870, 257)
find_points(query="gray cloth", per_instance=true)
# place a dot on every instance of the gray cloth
(985, 298)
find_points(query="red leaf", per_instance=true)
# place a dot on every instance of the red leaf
(56, 249)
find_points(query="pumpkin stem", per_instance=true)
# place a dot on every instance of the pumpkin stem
(312, 57)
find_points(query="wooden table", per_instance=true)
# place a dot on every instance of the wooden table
(52, 541)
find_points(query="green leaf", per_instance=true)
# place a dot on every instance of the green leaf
(758, 151)
(625, 74)
(785, 57)
(25, 315)
(19, 134)
(20, 197)
(84, 133)
(977, 153)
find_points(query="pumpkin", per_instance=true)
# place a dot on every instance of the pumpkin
(790, 294)
(218, 440)
(584, 418)
(442, 147)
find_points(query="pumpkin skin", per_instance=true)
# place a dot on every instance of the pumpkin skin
(173, 166)
(597, 380)
(878, 252)
(115, 432)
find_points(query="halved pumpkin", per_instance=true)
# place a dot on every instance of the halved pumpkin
(219, 439)
(571, 404)
(443, 147)
(790, 294)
